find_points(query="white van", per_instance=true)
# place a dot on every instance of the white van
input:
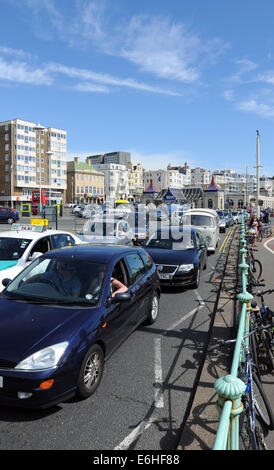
(207, 221)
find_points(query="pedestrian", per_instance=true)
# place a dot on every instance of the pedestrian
(254, 225)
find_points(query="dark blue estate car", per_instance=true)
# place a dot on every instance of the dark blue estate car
(180, 253)
(63, 316)
(8, 215)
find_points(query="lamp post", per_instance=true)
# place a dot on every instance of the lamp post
(49, 154)
(38, 129)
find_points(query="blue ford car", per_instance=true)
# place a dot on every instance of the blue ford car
(64, 315)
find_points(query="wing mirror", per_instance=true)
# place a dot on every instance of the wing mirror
(35, 255)
(6, 281)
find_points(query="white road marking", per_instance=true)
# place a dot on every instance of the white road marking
(159, 397)
(266, 243)
(142, 427)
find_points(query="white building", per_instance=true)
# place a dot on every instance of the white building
(116, 180)
(200, 176)
(164, 179)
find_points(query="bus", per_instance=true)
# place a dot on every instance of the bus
(35, 200)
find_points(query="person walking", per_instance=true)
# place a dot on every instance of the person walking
(254, 225)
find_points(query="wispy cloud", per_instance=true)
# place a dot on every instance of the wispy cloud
(252, 106)
(156, 45)
(90, 76)
(21, 72)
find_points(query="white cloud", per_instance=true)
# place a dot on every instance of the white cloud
(90, 76)
(22, 72)
(251, 106)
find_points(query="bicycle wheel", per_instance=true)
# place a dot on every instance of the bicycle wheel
(256, 268)
(267, 347)
(249, 438)
(261, 403)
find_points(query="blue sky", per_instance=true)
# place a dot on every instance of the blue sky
(168, 80)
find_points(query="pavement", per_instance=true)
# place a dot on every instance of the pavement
(200, 424)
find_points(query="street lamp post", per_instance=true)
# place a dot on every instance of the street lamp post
(49, 154)
(38, 129)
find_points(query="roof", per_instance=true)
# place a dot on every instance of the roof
(30, 235)
(213, 186)
(151, 189)
(103, 253)
(74, 166)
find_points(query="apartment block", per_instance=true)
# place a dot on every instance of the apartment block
(31, 157)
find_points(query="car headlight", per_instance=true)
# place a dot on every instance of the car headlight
(184, 268)
(45, 359)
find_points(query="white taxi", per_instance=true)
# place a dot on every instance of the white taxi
(24, 243)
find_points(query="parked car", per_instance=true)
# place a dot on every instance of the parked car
(222, 224)
(207, 221)
(229, 217)
(236, 217)
(8, 215)
(52, 345)
(179, 254)
(78, 210)
(107, 231)
(23, 243)
(90, 210)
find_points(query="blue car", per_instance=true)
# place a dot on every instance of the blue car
(65, 314)
(8, 215)
(179, 254)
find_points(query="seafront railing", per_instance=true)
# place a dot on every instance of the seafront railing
(230, 387)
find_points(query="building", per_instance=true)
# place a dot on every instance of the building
(164, 179)
(116, 180)
(84, 182)
(120, 158)
(136, 182)
(200, 176)
(31, 157)
(183, 170)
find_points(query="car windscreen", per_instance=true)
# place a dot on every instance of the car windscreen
(165, 241)
(12, 248)
(67, 281)
(100, 228)
(198, 220)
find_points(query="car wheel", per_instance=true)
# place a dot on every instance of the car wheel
(91, 372)
(10, 220)
(154, 310)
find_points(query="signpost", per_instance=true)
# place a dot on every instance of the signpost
(51, 214)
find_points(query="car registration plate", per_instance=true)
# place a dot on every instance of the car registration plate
(1, 382)
(164, 276)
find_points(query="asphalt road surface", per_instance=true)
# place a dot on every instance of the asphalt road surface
(145, 389)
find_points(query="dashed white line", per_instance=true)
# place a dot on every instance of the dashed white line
(159, 398)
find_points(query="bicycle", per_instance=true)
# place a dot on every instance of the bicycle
(256, 407)
(255, 265)
(265, 231)
(262, 341)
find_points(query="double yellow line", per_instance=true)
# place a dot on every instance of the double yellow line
(226, 240)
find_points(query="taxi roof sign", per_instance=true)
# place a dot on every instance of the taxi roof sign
(27, 227)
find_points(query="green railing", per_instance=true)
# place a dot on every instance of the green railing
(230, 388)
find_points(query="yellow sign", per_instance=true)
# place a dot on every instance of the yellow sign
(58, 208)
(39, 221)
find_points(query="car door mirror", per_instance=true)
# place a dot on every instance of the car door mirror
(122, 297)
(203, 246)
(35, 255)
(6, 281)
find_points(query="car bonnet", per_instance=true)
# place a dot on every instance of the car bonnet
(26, 328)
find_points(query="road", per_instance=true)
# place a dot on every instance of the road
(145, 389)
